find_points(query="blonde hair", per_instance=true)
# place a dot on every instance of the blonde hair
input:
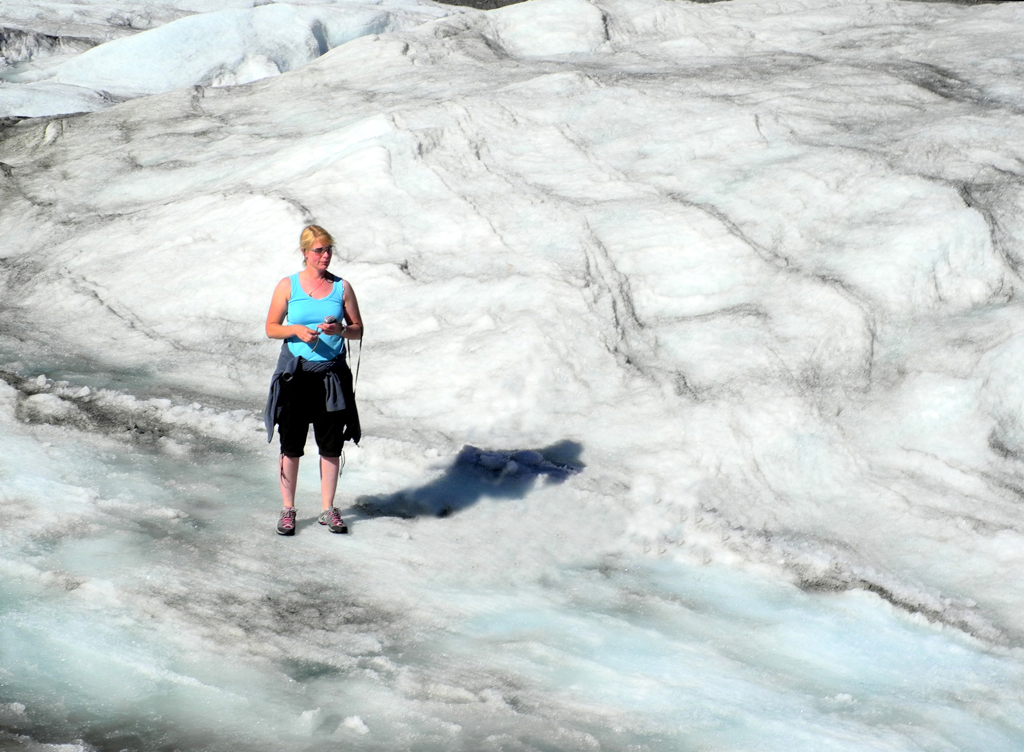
(310, 234)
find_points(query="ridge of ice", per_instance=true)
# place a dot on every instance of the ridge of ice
(217, 48)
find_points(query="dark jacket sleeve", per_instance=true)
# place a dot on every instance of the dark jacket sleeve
(353, 432)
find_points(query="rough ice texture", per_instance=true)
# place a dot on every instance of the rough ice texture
(217, 48)
(759, 262)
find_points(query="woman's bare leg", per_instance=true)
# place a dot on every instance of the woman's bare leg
(329, 469)
(288, 476)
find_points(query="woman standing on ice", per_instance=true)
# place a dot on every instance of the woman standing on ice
(312, 382)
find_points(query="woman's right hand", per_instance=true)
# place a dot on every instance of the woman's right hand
(307, 335)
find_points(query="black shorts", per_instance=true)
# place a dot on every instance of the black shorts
(303, 400)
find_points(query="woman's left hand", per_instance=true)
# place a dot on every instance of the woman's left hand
(331, 329)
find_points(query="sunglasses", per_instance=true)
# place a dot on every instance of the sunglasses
(326, 249)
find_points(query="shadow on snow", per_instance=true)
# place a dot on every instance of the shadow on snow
(475, 474)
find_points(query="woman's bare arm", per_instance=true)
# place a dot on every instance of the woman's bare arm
(276, 315)
(354, 330)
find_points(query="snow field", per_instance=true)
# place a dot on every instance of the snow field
(756, 263)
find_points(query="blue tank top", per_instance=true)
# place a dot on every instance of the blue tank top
(311, 312)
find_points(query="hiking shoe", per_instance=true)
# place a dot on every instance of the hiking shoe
(333, 520)
(286, 523)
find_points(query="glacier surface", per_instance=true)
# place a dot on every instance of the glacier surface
(691, 386)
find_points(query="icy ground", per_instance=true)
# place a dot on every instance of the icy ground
(63, 58)
(692, 387)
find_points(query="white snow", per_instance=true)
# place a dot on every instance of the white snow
(691, 389)
(216, 48)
